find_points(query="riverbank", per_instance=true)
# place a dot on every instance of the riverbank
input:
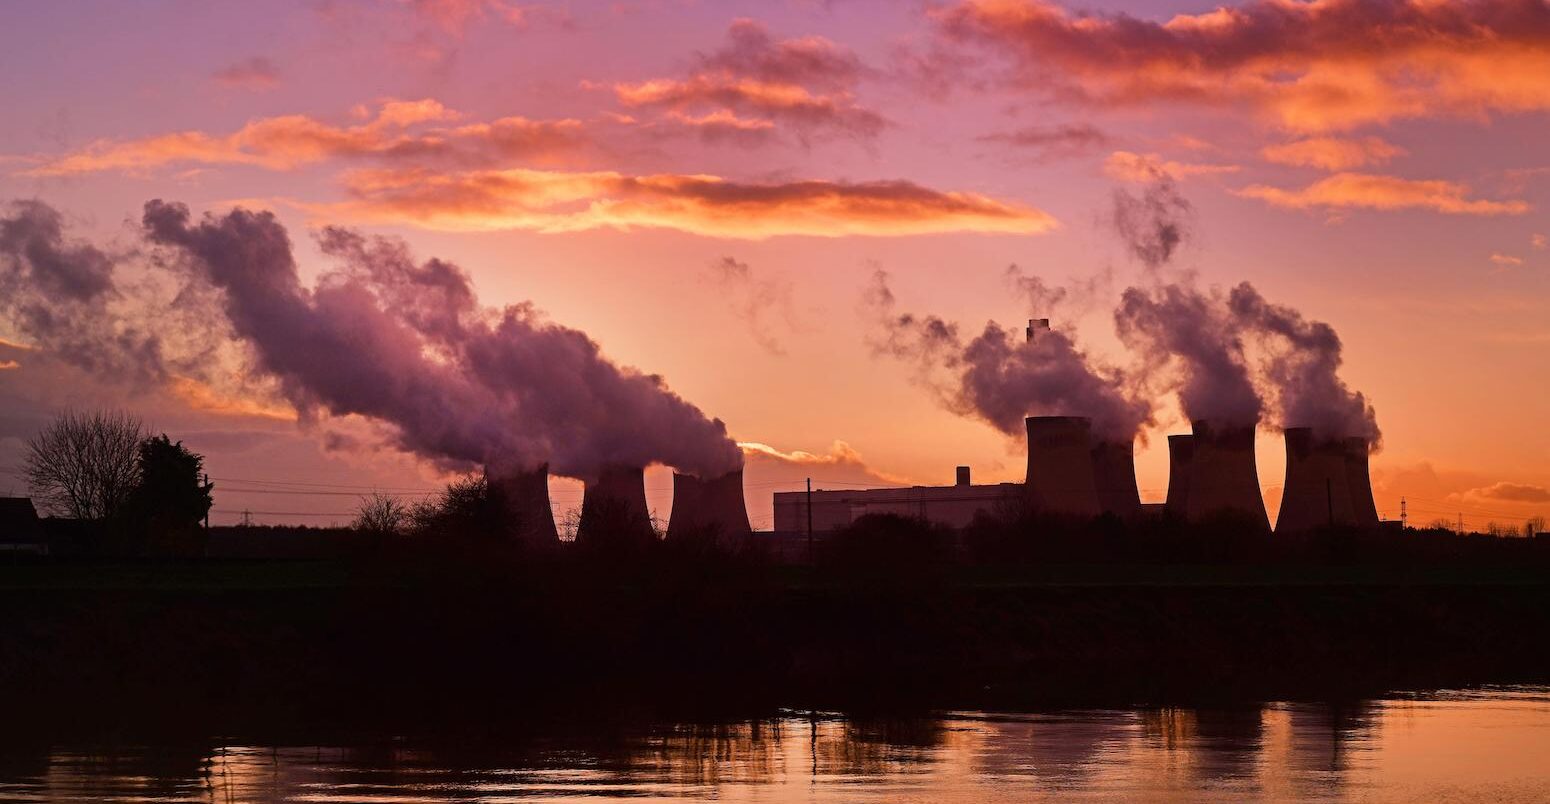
(450, 639)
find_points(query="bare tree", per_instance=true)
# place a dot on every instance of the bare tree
(1533, 527)
(84, 465)
(381, 514)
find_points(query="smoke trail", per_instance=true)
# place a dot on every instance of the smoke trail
(1154, 224)
(60, 294)
(1301, 364)
(999, 377)
(1196, 335)
(408, 344)
(754, 299)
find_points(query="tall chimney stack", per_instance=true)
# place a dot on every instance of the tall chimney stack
(1035, 326)
(962, 478)
(1060, 466)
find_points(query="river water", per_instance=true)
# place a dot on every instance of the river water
(1455, 746)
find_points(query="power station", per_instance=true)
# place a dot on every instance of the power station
(1073, 474)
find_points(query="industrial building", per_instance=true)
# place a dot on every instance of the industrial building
(954, 506)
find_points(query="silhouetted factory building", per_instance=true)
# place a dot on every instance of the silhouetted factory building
(954, 506)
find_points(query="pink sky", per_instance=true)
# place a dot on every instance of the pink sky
(1377, 166)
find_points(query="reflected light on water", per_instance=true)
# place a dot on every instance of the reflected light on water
(1490, 744)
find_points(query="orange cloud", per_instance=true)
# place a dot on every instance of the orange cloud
(1511, 492)
(805, 83)
(1506, 259)
(1310, 66)
(202, 397)
(288, 142)
(1330, 153)
(1366, 191)
(1540, 242)
(8, 365)
(555, 201)
(1127, 166)
(842, 460)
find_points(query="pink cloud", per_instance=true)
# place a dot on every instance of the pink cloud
(1309, 66)
(1388, 193)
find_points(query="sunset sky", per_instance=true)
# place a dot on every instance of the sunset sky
(708, 190)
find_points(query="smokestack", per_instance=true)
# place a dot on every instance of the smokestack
(1035, 326)
(1181, 453)
(1114, 475)
(1223, 478)
(613, 509)
(963, 476)
(1060, 466)
(522, 497)
(1317, 492)
(1364, 511)
(713, 508)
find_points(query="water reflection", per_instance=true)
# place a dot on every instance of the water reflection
(1490, 744)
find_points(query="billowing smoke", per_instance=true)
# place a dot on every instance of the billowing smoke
(57, 294)
(999, 377)
(1301, 364)
(1191, 342)
(1155, 223)
(408, 344)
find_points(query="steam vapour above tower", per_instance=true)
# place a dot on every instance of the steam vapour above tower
(408, 344)
(1000, 377)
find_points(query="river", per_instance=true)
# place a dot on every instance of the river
(1491, 744)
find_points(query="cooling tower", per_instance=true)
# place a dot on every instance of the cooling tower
(1060, 466)
(1316, 492)
(613, 509)
(1114, 474)
(712, 508)
(1359, 481)
(522, 497)
(1181, 452)
(1222, 475)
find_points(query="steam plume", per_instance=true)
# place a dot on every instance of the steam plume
(1302, 361)
(755, 299)
(1155, 223)
(999, 377)
(1177, 327)
(57, 294)
(409, 344)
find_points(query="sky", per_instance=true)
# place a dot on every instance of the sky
(712, 192)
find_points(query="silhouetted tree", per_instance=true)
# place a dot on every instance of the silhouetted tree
(170, 491)
(463, 509)
(381, 515)
(85, 465)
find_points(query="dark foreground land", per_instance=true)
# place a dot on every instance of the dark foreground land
(443, 638)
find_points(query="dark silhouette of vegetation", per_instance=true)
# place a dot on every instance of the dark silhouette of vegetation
(381, 515)
(166, 508)
(463, 511)
(84, 465)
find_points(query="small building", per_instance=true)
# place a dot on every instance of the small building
(954, 506)
(20, 530)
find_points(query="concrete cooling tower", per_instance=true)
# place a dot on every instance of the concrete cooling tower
(1359, 480)
(613, 509)
(713, 507)
(522, 497)
(1181, 452)
(1223, 478)
(1114, 474)
(1317, 491)
(1060, 466)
